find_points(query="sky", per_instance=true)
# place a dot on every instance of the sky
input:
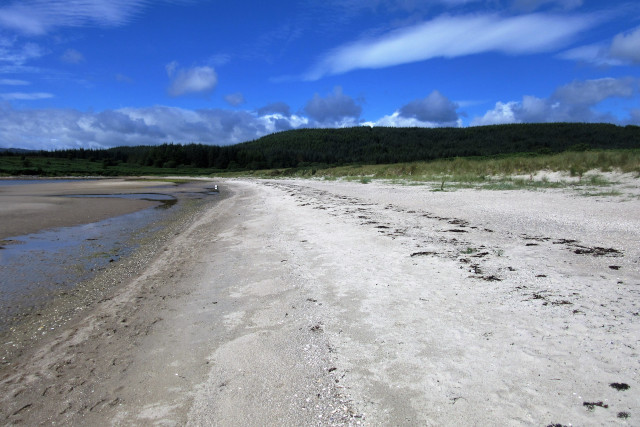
(104, 73)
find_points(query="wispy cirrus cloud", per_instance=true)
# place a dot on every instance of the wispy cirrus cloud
(38, 17)
(530, 5)
(454, 36)
(24, 96)
(234, 99)
(13, 82)
(18, 54)
(72, 56)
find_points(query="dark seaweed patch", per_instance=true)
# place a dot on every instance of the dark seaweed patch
(620, 386)
(480, 255)
(565, 242)
(591, 405)
(597, 251)
(423, 254)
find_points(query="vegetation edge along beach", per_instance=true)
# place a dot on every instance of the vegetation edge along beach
(426, 152)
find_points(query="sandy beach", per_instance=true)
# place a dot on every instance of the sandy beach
(30, 208)
(301, 302)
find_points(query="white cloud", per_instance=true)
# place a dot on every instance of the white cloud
(623, 49)
(597, 54)
(72, 56)
(454, 36)
(574, 102)
(15, 55)
(279, 122)
(435, 108)
(502, 113)
(171, 68)
(398, 120)
(219, 60)
(280, 108)
(334, 110)
(234, 99)
(592, 92)
(196, 80)
(626, 46)
(21, 96)
(14, 82)
(67, 128)
(529, 5)
(38, 17)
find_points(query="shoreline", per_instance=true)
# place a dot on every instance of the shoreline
(33, 323)
(294, 302)
(29, 208)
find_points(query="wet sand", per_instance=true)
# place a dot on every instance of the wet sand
(29, 208)
(321, 303)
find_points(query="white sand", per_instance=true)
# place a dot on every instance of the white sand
(300, 303)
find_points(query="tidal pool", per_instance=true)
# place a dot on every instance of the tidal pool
(36, 267)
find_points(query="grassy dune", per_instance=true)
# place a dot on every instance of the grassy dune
(497, 172)
(503, 172)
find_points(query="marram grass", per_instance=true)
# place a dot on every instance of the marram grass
(477, 170)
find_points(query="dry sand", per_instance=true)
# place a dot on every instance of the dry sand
(320, 303)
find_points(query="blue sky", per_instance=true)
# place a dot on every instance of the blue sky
(102, 73)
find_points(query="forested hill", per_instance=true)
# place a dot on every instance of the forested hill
(365, 145)
(393, 145)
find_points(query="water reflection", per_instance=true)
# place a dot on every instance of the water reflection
(34, 267)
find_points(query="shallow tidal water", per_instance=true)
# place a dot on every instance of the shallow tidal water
(36, 267)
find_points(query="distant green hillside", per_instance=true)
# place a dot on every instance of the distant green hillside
(330, 147)
(16, 150)
(394, 145)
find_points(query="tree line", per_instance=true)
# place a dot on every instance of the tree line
(364, 145)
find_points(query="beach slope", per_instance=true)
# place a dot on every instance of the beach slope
(319, 303)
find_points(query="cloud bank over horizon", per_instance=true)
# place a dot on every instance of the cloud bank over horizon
(573, 102)
(50, 129)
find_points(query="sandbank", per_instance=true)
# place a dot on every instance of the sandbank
(29, 208)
